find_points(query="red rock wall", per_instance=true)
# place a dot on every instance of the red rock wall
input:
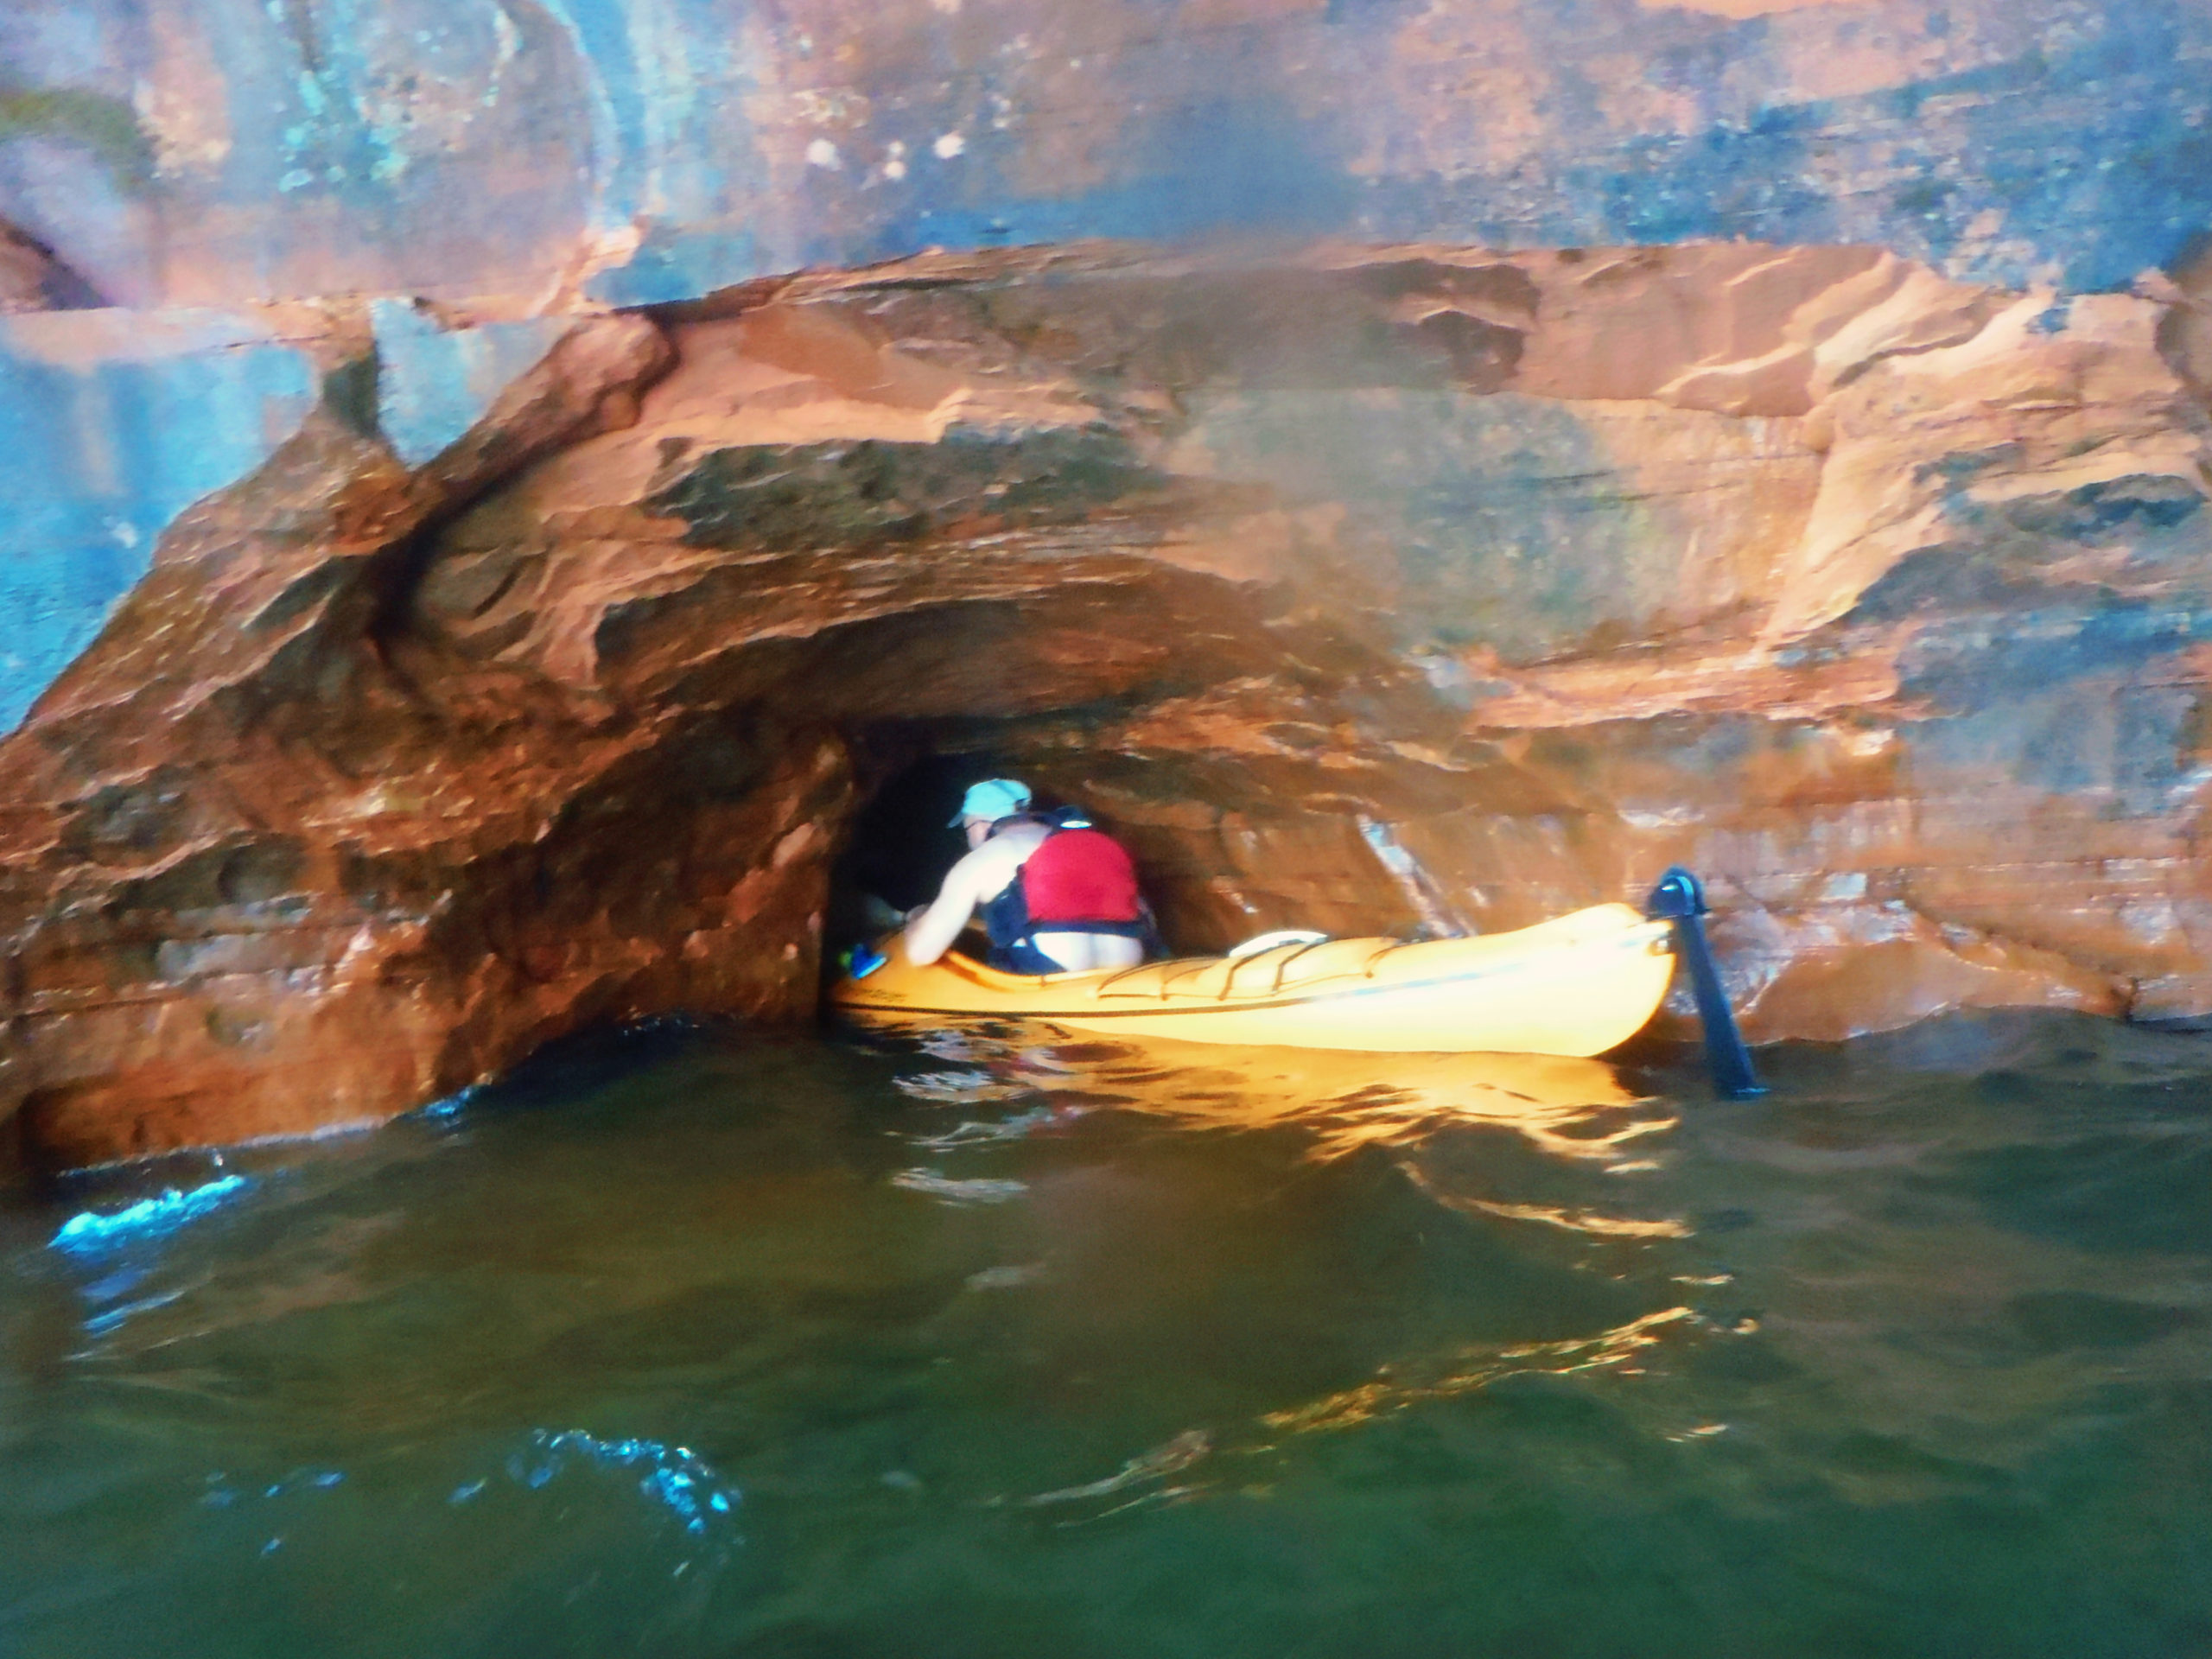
(1372, 589)
(223, 152)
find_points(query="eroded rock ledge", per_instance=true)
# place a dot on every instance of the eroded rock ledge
(1377, 589)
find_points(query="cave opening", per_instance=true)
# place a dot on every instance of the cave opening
(900, 841)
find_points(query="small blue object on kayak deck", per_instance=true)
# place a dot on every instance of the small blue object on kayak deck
(861, 961)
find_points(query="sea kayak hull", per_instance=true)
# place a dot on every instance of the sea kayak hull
(1577, 985)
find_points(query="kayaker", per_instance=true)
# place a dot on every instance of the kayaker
(1056, 894)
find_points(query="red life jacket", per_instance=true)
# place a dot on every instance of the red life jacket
(1079, 875)
(1079, 881)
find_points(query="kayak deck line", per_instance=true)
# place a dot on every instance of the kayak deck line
(1324, 991)
(1192, 966)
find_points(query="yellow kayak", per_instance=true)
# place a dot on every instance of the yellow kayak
(1577, 985)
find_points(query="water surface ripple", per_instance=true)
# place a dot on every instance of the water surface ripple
(963, 1344)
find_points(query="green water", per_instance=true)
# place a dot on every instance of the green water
(704, 1344)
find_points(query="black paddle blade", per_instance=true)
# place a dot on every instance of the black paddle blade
(1680, 899)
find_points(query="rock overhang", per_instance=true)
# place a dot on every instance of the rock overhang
(1339, 621)
(1763, 438)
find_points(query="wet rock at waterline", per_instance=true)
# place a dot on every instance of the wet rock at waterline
(1373, 590)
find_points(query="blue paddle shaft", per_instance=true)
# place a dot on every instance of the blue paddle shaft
(1680, 899)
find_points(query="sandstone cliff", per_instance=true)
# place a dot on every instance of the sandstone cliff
(467, 587)
(1371, 590)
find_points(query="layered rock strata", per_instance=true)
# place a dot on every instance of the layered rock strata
(1374, 589)
(225, 152)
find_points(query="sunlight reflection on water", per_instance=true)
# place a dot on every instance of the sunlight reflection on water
(148, 1218)
(1158, 1350)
